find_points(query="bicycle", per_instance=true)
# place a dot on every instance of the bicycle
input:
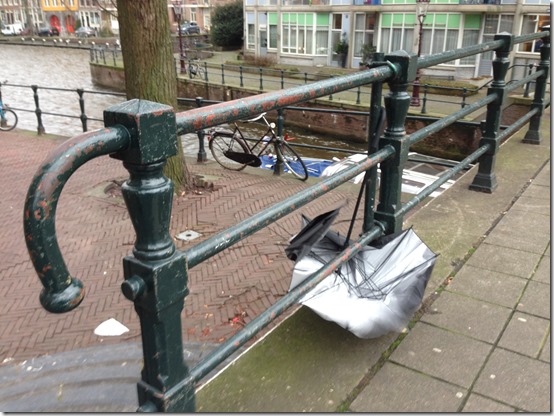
(196, 70)
(231, 150)
(8, 118)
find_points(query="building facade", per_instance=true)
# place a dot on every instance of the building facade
(309, 32)
(61, 14)
(27, 12)
(67, 15)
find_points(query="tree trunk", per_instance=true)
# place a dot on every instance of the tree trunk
(149, 66)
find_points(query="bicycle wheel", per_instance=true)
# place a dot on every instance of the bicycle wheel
(221, 143)
(292, 161)
(9, 121)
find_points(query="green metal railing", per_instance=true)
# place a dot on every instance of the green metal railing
(144, 134)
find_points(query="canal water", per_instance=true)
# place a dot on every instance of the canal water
(58, 68)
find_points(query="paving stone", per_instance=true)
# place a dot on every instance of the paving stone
(474, 318)
(543, 178)
(545, 353)
(536, 299)
(399, 390)
(525, 334)
(519, 381)
(532, 206)
(494, 287)
(442, 354)
(537, 191)
(479, 404)
(522, 231)
(542, 274)
(504, 260)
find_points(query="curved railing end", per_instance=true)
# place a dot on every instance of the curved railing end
(63, 300)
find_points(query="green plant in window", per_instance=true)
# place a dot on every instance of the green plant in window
(367, 53)
(342, 47)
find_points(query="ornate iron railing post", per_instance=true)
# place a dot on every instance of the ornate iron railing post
(279, 168)
(156, 274)
(206, 71)
(201, 156)
(424, 106)
(397, 103)
(83, 115)
(375, 110)
(485, 180)
(38, 111)
(533, 135)
(528, 85)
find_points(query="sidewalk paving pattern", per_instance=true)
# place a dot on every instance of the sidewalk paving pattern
(484, 345)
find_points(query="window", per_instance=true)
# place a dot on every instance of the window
(302, 32)
(251, 36)
(364, 26)
(532, 24)
(193, 14)
(250, 30)
(337, 21)
(440, 33)
(495, 23)
(470, 36)
(397, 32)
(272, 23)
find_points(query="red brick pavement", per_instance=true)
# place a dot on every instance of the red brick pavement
(95, 233)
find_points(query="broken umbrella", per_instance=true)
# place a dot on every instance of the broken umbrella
(375, 292)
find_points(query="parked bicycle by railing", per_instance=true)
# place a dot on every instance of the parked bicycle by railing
(8, 118)
(231, 150)
(196, 70)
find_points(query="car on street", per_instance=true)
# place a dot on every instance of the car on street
(12, 29)
(85, 32)
(190, 28)
(48, 31)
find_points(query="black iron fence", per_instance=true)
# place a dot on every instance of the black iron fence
(144, 134)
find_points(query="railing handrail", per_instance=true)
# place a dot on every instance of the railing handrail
(156, 274)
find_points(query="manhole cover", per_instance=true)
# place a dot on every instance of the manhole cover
(188, 235)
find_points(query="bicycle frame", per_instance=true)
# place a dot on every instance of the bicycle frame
(2, 115)
(269, 137)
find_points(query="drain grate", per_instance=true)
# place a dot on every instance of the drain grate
(187, 235)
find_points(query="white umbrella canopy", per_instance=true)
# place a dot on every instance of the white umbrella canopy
(377, 291)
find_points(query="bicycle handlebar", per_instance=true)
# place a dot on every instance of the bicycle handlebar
(255, 118)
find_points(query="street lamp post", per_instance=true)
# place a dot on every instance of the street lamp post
(178, 9)
(421, 13)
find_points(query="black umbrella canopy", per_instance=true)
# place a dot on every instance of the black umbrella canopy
(311, 233)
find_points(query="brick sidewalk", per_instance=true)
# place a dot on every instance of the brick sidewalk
(95, 233)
